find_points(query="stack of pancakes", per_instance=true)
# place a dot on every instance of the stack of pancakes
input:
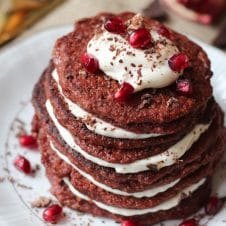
(148, 159)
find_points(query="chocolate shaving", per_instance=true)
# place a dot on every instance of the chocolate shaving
(5, 169)
(155, 11)
(89, 120)
(41, 202)
(24, 186)
(179, 161)
(143, 104)
(136, 22)
(11, 179)
(112, 48)
(146, 100)
(20, 127)
(153, 168)
(36, 168)
(146, 96)
(184, 196)
(220, 40)
(172, 102)
(82, 73)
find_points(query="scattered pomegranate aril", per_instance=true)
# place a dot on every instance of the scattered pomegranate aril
(184, 86)
(22, 164)
(90, 63)
(124, 92)
(140, 39)
(115, 25)
(189, 222)
(165, 32)
(178, 62)
(52, 213)
(214, 205)
(28, 141)
(129, 223)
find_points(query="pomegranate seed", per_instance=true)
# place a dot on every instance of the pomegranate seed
(140, 39)
(52, 213)
(124, 92)
(90, 63)
(190, 222)
(129, 223)
(28, 141)
(115, 25)
(214, 205)
(22, 164)
(162, 30)
(178, 62)
(184, 86)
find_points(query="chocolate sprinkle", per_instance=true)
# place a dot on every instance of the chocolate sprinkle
(155, 11)
(153, 167)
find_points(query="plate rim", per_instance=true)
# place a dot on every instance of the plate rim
(38, 35)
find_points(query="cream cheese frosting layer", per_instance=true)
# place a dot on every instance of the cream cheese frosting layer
(169, 204)
(99, 126)
(166, 158)
(140, 68)
(147, 193)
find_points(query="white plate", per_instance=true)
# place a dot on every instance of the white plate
(20, 68)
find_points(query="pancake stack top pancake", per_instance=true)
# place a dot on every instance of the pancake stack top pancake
(126, 121)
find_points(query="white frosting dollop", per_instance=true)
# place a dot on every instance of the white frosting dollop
(140, 68)
(147, 193)
(166, 158)
(132, 212)
(99, 126)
